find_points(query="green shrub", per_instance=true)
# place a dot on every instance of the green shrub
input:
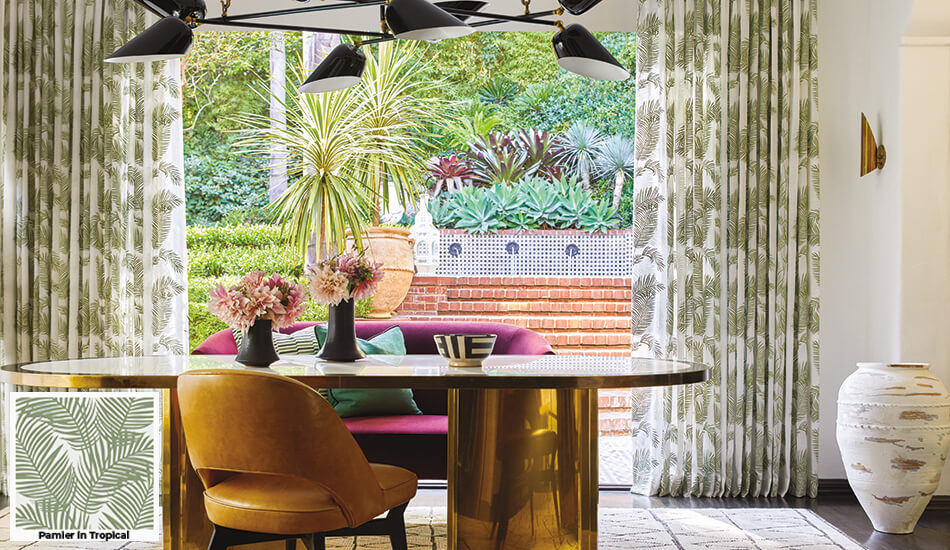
(221, 255)
(219, 182)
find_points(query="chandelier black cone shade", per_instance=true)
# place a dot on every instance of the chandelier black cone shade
(342, 68)
(420, 20)
(577, 7)
(170, 38)
(580, 53)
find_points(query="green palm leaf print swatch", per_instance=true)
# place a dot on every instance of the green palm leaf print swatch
(85, 462)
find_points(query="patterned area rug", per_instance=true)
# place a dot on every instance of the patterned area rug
(620, 529)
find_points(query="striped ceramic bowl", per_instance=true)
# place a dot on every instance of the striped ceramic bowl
(465, 350)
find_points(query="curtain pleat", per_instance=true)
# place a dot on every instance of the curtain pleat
(93, 248)
(727, 247)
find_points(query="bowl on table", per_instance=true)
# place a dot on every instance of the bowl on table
(465, 350)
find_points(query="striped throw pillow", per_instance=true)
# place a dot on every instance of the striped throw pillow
(302, 342)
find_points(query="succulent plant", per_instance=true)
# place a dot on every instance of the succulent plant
(443, 212)
(499, 91)
(450, 171)
(476, 212)
(575, 203)
(510, 157)
(602, 216)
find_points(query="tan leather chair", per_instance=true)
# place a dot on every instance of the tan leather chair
(277, 463)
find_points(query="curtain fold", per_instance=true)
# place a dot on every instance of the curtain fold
(92, 214)
(727, 245)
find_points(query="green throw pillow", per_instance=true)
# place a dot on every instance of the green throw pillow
(373, 402)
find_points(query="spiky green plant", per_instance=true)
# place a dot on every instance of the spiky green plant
(343, 147)
(579, 149)
(615, 159)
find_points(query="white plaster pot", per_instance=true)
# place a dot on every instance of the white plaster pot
(894, 433)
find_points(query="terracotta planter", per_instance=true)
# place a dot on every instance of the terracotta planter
(392, 247)
(894, 433)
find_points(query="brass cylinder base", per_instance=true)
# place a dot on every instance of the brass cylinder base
(522, 469)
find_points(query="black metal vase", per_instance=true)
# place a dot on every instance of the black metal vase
(257, 348)
(341, 334)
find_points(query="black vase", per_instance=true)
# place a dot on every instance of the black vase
(257, 348)
(341, 334)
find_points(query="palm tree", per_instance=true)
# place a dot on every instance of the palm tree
(615, 159)
(343, 148)
(397, 124)
(323, 137)
(580, 144)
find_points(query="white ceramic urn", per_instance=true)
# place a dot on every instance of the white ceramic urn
(894, 433)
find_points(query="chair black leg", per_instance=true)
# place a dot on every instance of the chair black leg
(319, 542)
(307, 541)
(397, 527)
(219, 540)
(290, 544)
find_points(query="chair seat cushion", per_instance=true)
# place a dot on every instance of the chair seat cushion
(284, 505)
(425, 424)
(398, 484)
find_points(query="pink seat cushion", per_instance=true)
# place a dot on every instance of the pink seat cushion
(426, 424)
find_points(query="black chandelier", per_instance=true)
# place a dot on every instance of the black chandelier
(576, 48)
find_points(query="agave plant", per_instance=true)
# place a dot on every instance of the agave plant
(450, 171)
(575, 203)
(615, 159)
(498, 91)
(444, 212)
(507, 199)
(541, 200)
(476, 211)
(579, 149)
(601, 217)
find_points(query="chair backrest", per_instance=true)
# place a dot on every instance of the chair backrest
(238, 421)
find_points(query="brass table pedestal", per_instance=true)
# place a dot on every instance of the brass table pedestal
(522, 469)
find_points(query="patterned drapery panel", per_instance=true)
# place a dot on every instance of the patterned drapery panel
(726, 245)
(92, 213)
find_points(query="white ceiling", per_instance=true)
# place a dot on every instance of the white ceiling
(609, 15)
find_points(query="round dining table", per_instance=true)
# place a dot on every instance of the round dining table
(522, 439)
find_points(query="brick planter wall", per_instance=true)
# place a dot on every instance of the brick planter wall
(577, 315)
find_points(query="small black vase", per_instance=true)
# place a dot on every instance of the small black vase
(341, 334)
(257, 348)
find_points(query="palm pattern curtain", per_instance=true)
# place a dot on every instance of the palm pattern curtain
(727, 245)
(92, 212)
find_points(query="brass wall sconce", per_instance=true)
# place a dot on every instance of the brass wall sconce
(873, 156)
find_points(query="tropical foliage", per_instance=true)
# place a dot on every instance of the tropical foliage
(86, 463)
(343, 147)
(533, 203)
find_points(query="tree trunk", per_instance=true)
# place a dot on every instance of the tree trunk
(278, 116)
(619, 181)
(316, 46)
(585, 178)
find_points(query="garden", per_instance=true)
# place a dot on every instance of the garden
(497, 140)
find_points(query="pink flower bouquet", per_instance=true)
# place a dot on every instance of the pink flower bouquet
(257, 296)
(344, 277)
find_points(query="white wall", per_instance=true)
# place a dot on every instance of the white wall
(886, 236)
(925, 191)
(859, 71)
